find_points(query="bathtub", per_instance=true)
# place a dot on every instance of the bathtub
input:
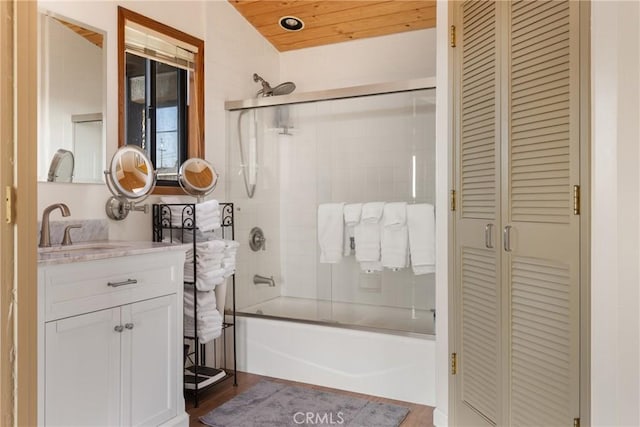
(379, 364)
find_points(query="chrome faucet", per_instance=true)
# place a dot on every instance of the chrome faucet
(261, 280)
(45, 234)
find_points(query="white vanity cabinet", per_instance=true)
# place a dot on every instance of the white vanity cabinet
(111, 341)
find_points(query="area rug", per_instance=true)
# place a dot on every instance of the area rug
(271, 404)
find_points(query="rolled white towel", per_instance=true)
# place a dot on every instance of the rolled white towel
(371, 266)
(331, 232)
(367, 232)
(394, 239)
(210, 246)
(352, 213)
(421, 224)
(372, 212)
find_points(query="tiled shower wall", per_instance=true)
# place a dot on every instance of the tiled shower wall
(353, 150)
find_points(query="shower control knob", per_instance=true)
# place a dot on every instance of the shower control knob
(257, 240)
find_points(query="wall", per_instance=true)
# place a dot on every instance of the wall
(233, 52)
(615, 256)
(391, 58)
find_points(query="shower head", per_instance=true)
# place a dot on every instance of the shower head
(282, 89)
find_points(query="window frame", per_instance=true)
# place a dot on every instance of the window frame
(194, 144)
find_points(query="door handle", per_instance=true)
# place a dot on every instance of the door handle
(118, 328)
(488, 236)
(506, 236)
(128, 325)
(123, 283)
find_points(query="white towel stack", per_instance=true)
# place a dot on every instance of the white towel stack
(206, 301)
(209, 271)
(209, 326)
(208, 215)
(331, 232)
(352, 213)
(229, 260)
(394, 240)
(209, 318)
(421, 225)
(367, 237)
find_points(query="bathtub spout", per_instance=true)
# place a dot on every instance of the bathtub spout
(262, 280)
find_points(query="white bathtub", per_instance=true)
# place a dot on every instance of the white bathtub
(379, 364)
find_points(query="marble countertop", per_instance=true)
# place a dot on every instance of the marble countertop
(102, 249)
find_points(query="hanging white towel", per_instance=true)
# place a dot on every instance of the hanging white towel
(330, 232)
(421, 224)
(352, 213)
(367, 236)
(394, 239)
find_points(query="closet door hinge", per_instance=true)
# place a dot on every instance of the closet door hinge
(453, 36)
(8, 203)
(454, 364)
(576, 200)
(576, 422)
(453, 200)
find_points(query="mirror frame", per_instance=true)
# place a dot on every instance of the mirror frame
(189, 187)
(195, 145)
(113, 169)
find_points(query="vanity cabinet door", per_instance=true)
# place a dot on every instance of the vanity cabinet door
(82, 372)
(150, 361)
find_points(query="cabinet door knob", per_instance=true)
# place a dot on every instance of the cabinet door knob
(118, 328)
(128, 325)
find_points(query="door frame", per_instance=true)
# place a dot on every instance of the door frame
(18, 228)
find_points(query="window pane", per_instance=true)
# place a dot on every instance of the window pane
(136, 83)
(167, 149)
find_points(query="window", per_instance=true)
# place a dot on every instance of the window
(161, 91)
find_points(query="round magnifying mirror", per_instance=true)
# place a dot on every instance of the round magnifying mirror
(197, 177)
(61, 168)
(132, 173)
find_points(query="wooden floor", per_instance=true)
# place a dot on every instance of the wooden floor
(419, 415)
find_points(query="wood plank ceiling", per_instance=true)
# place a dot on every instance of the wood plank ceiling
(335, 21)
(91, 36)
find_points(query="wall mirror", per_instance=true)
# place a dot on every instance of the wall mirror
(71, 96)
(130, 178)
(160, 94)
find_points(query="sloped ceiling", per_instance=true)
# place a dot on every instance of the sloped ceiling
(91, 36)
(335, 21)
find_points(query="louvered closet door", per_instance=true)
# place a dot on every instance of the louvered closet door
(541, 164)
(477, 216)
